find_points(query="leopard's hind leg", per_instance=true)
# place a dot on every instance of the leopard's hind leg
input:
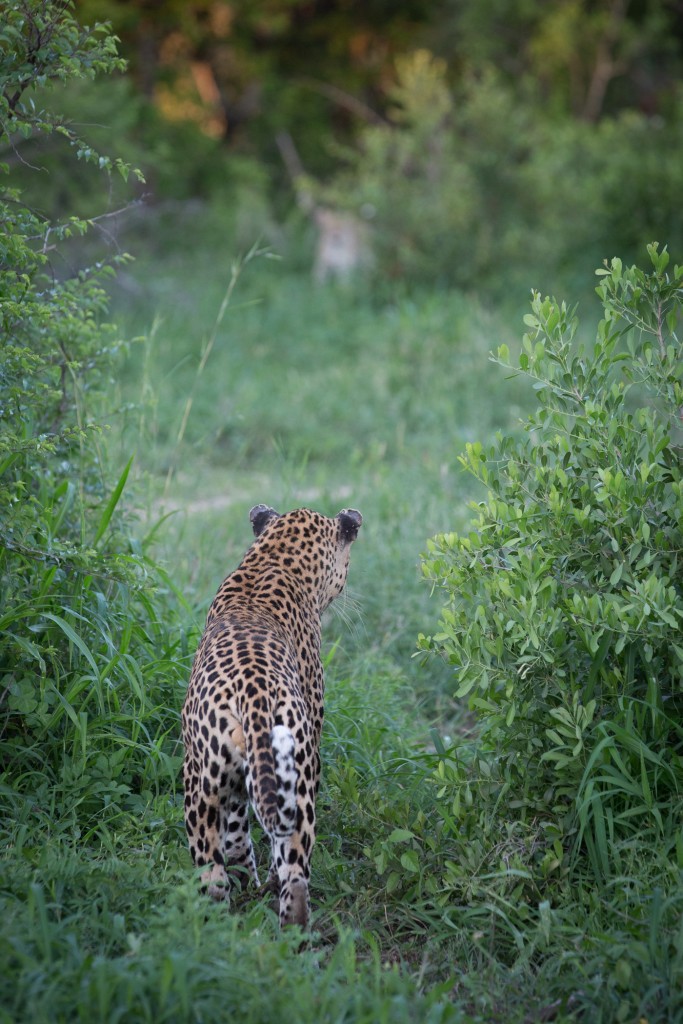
(291, 854)
(290, 874)
(217, 823)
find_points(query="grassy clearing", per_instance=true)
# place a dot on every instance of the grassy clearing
(325, 397)
(309, 395)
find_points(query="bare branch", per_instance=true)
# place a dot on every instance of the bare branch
(606, 66)
(344, 99)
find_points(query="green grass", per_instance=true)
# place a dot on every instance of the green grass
(327, 397)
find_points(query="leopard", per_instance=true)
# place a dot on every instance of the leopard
(253, 713)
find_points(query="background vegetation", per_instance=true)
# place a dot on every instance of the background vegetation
(501, 836)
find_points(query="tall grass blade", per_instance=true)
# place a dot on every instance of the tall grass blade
(75, 639)
(105, 518)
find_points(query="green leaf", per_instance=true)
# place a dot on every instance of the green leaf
(410, 861)
(400, 835)
(616, 574)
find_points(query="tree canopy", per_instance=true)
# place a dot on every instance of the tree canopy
(261, 65)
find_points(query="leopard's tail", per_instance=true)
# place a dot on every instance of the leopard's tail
(273, 776)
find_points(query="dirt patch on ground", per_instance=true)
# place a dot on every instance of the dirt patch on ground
(217, 502)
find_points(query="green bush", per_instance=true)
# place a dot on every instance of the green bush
(564, 599)
(81, 640)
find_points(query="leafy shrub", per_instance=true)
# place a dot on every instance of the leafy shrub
(564, 599)
(80, 636)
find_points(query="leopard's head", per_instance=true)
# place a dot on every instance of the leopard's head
(312, 548)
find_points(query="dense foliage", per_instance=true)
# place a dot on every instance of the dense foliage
(251, 67)
(562, 620)
(481, 185)
(79, 631)
(486, 146)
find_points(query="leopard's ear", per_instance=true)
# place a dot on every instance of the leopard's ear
(350, 519)
(260, 516)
